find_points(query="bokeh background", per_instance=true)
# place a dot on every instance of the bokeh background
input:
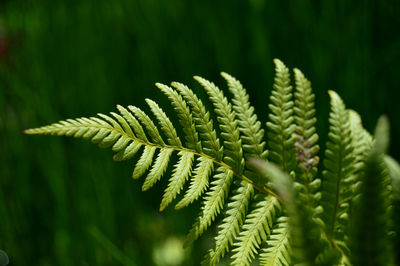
(63, 201)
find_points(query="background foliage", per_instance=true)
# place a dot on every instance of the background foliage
(64, 202)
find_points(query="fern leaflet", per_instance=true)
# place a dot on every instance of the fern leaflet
(277, 251)
(339, 163)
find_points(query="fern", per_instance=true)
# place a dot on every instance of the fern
(281, 125)
(215, 198)
(304, 236)
(373, 212)
(253, 145)
(279, 212)
(339, 168)
(278, 248)
(306, 146)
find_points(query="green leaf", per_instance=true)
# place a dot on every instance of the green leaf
(255, 230)
(204, 124)
(230, 226)
(184, 117)
(305, 233)
(372, 220)
(337, 190)
(181, 172)
(166, 125)
(158, 169)
(144, 162)
(233, 155)
(148, 124)
(250, 128)
(212, 204)
(281, 121)
(278, 250)
(198, 183)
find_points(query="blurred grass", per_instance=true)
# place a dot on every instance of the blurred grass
(75, 58)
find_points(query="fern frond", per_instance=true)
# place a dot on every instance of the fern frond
(252, 134)
(126, 153)
(372, 218)
(394, 172)
(103, 133)
(203, 123)
(212, 204)
(339, 160)
(158, 169)
(227, 123)
(138, 129)
(144, 162)
(255, 230)
(281, 144)
(278, 250)
(281, 121)
(362, 140)
(305, 236)
(305, 124)
(198, 183)
(166, 125)
(148, 124)
(180, 174)
(184, 116)
(215, 197)
(362, 143)
(209, 159)
(253, 146)
(306, 146)
(229, 227)
(124, 124)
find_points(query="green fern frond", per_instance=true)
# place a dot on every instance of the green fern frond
(99, 131)
(255, 230)
(166, 125)
(372, 217)
(144, 162)
(281, 126)
(198, 183)
(254, 220)
(230, 225)
(184, 116)
(137, 128)
(306, 145)
(362, 140)
(362, 143)
(253, 146)
(227, 123)
(204, 126)
(305, 125)
(281, 121)
(215, 197)
(278, 250)
(304, 234)
(151, 129)
(394, 172)
(180, 174)
(252, 135)
(212, 204)
(339, 161)
(158, 169)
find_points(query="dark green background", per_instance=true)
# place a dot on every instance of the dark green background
(65, 59)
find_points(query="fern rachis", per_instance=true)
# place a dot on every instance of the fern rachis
(314, 226)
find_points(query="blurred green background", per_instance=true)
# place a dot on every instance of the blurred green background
(63, 201)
